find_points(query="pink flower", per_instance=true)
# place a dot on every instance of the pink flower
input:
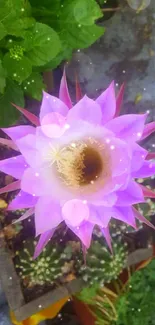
(79, 164)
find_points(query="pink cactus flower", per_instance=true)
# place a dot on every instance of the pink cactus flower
(79, 164)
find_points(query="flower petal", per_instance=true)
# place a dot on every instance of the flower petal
(151, 155)
(26, 215)
(52, 104)
(119, 100)
(14, 166)
(120, 156)
(43, 241)
(22, 200)
(63, 92)
(106, 234)
(30, 116)
(147, 170)
(8, 143)
(47, 215)
(147, 192)
(103, 216)
(128, 127)
(78, 89)
(74, 212)
(37, 183)
(17, 132)
(84, 232)
(138, 156)
(148, 130)
(133, 194)
(27, 146)
(10, 187)
(100, 198)
(53, 125)
(125, 214)
(86, 109)
(140, 217)
(107, 102)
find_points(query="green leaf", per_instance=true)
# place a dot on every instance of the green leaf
(17, 27)
(81, 36)
(17, 70)
(13, 94)
(2, 78)
(63, 55)
(86, 12)
(33, 86)
(77, 26)
(3, 31)
(44, 44)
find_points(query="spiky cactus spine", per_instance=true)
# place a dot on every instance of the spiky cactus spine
(46, 269)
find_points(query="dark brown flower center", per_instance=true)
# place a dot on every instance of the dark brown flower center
(93, 165)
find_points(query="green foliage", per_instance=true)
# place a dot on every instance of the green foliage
(136, 305)
(36, 36)
(13, 94)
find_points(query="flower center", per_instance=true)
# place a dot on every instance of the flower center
(80, 164)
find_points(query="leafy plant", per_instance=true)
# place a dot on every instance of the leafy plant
(36, 36)
(136, 305)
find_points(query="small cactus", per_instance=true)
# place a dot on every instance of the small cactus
(46, 269)
(101, 265)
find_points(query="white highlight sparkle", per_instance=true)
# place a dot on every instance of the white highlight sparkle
(112, 147)
(67, 126)
(36, 174)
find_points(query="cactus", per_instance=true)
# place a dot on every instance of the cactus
(101, 265)
(46, 269)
